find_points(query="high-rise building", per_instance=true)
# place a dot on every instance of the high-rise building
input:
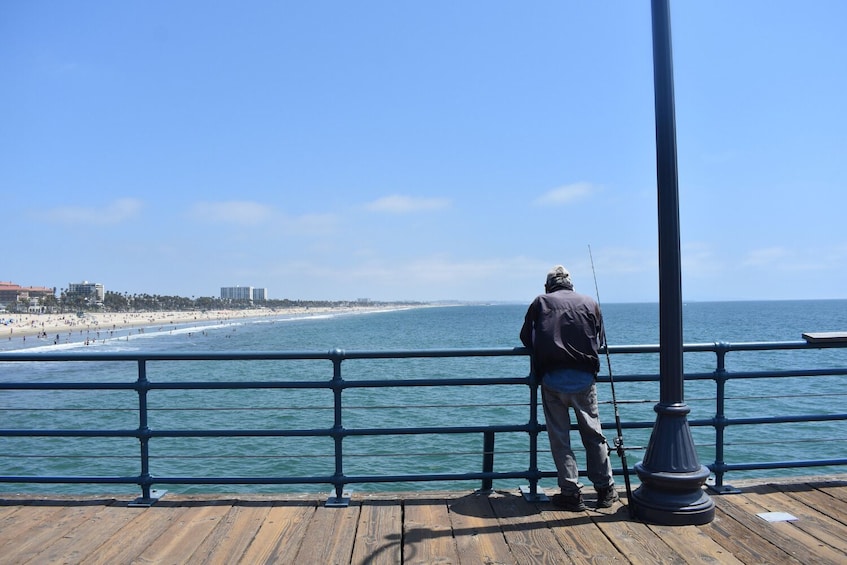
(244, 293)
(237, 292)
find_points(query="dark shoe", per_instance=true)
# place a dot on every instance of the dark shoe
(607, 497)
(569, 502)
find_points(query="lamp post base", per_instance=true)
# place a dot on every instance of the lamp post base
(672, 479)
(673, 499)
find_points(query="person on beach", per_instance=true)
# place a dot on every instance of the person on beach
(563, 330)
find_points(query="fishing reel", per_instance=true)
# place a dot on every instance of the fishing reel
(619, 448)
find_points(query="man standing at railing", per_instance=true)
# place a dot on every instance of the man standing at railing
(563, 329)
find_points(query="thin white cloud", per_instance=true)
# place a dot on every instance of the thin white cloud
(426, 271)
(768, 256)
(699, 258)
(566, 194)
(242, 213)
(114, 213)
(311, 224)
(794, 260)
(400, 204)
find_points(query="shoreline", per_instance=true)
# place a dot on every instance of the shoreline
(17, 327)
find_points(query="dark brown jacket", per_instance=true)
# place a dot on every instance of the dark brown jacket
(563, 329)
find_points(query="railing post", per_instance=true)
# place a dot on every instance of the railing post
(531, 492)
(720, 420)
(339, 497)
(145, 480)
(487, 460)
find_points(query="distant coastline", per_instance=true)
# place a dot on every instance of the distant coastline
(52, 326)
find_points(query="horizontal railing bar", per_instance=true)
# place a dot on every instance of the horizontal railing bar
(130, 386)
(321, 432)
(277, 480)
(239, 385)
(341, 355)
(471, 381)
(69, 433)
(834, 372)
(291, 408)
(69, 479)
(787, 441)
(346, 479)
(300, 456)
(326, 432)
(387, 383)
(780, 419)
(329, 432)
(781, 464)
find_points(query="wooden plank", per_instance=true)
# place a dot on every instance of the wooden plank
(7, 508)
(579, 538)
(76, 545)
(818, 525)
(634, 540)
(479, 539)
(694, 545)
(427, 534)
(745, 507)
(281, 534)
(379, 535)
(230, 538)
(330, 535)
(71, 534)
(39, 543)
(819, 500)
(782, 547)
(836, 489)
(138, 534)
(742, 542)
(180, 541)
(526, 531)
(27, 521)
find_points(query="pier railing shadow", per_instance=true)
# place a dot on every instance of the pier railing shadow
(63, 424)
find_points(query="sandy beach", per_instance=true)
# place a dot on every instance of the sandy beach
(20, 326)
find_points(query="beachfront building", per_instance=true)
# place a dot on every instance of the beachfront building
(34, 296)
(91, 293)
(237, 293)
(244, 293)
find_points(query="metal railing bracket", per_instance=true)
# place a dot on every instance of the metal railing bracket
(538, 496)
(338, 502)
(141, 502)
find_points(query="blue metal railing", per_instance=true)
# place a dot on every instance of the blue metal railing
(335, 430)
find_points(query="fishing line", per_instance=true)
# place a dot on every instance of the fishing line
(619, 447)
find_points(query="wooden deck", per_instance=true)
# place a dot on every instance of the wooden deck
(420, 528)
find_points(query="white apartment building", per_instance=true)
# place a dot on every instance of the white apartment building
(244, 293)
(93, 292)
(237, 292)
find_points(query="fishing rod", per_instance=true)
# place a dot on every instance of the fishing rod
(618, 440)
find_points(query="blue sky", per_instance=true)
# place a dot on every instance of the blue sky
(419, 150)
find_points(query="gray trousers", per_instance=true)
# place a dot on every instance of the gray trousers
(584, 404)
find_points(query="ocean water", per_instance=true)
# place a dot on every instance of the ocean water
(453, 327)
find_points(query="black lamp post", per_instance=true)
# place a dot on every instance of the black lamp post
(671, 475)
